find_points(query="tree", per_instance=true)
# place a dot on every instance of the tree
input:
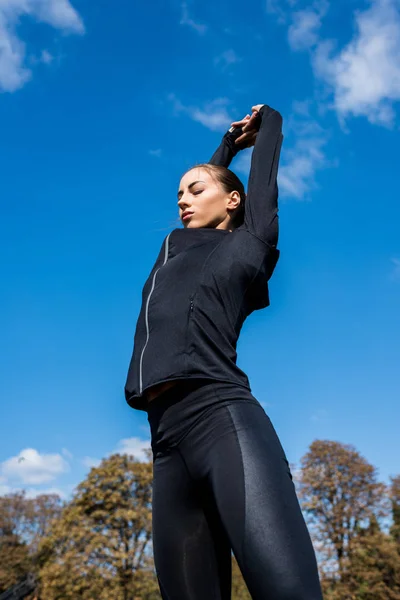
(41, 512)
(14, 553)
(373, 570)
(23, 521)
(239, 588)
(395, 500)
(339, 493)
(14, 560)
(100, 546)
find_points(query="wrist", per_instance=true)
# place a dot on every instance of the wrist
(230, 136)
(230, 143)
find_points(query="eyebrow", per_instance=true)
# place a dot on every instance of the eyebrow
(190, 186)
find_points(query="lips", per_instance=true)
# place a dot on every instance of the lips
(186, 215)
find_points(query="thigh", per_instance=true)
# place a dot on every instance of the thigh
(256, 498)
(191, 552)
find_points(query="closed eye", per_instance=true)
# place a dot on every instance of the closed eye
(196, 193)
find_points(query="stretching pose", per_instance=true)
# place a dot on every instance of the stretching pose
(221, 478)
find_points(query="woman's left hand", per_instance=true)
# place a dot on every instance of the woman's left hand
(248, 139)
(250, 126)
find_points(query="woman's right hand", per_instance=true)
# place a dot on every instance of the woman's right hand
(248, 137)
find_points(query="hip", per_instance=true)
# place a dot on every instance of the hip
(173, 413)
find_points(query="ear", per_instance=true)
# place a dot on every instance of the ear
(233, 200)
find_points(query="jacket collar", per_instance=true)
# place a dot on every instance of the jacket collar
(182, 239)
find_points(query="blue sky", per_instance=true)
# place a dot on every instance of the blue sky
(101, 110)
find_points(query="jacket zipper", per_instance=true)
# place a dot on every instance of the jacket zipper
(189, 318)
(147, 315)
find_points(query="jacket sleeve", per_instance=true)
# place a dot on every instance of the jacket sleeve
(261, 207)
(227, 149)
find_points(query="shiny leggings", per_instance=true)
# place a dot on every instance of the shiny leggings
(222, 483)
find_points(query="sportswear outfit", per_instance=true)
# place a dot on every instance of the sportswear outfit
(221, 479)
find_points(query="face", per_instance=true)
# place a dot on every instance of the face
(203, 202)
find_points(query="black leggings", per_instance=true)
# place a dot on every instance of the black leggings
(222, 483)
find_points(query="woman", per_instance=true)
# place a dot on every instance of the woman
(221, 478)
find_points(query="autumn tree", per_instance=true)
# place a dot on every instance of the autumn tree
(23, 522)
(14, 553)
(239, 588)
(340, 493)
(373, 571)
(14, 559)
(395, 501)
(100, 547)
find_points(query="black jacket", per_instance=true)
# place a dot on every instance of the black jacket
(205, 281)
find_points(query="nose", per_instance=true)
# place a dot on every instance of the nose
(182, 203)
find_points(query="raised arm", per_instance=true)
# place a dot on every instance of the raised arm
(261, 208)
(227, 149)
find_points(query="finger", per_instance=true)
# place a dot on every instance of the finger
(244, 119)
(250, 137)
(242, 122)
(252, 140)
(252, 123)
(241, 138)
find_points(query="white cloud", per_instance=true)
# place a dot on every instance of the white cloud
(157, 152)
(46, 57)
(13, 75)
(320, 416)
(32, 468)
(34, 492)
(396, 269)
(227, 58)
(276, 8)
(214, 115)
(56, 13)
(297, 174)
(90, 462)
(300, 162)
(243, 161)
(301, 107)
(134, 446)
(303, 33)
(187, 20)
(365, 75)
(362, 78)
(4, 487)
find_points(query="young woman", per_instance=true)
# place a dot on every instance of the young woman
(221, 478)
